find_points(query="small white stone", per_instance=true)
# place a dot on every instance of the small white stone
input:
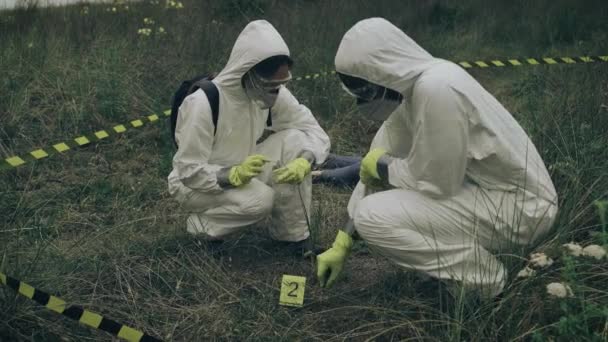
(540, 260)
(594, 251)
(559, 290)
(573, 249)
(526, 272)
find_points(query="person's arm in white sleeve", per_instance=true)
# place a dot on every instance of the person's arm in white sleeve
(437, 161)
(288, 113)
(194, 136)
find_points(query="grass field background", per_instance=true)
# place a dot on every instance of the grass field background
(97, 227)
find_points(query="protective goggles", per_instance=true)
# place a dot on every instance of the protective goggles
(268, 85)
(367, 92)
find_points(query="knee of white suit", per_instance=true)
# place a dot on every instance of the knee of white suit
(413, 235)
(379, 229)
(368, 217)
(258, 204)
(233, 210)
(362, 215)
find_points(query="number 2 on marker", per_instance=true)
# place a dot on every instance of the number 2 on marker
(293, 293)
(292, 290)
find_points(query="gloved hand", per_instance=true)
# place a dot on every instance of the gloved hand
(294, 172)
(369, 168)
(331, 262)
(242, 174)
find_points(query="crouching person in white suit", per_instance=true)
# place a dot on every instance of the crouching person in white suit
(221, 176)
(460, 178)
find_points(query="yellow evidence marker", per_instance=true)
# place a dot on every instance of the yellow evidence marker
(292, 290)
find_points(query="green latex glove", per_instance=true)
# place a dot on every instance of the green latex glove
(242, 174)
(331, 262)
(369, 168)
(294, 172)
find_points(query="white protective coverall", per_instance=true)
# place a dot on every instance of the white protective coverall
(216, 212)
(467, 179)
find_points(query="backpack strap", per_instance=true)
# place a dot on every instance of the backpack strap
(269, 118)
(213, 96)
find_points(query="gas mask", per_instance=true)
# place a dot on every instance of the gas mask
(263, 92)
(375, 102)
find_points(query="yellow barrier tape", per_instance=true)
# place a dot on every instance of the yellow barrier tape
(56, 304)
(16, 161)
(568, 60)
(137, 123)
(120, 129)
(26, 290)
(101, 134)
(514, 62)
(61, 147)
(76, 313)
(91, 319)
(39, 154)
(550, 60)
(82, 140)
(130, 334)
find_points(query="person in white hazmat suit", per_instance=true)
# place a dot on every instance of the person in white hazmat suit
(464, 180)
(224, 180)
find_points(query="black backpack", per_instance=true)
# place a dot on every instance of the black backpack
(190, 86)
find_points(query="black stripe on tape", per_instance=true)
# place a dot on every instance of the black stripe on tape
(41, 297)
(28, 158)
(12, 283)
(73, 312)
(148, 338)
(76, 312)
(110, 326)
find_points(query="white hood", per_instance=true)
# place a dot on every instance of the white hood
(449, 132)
(379, 52)
(204, 148)
(258, 40)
